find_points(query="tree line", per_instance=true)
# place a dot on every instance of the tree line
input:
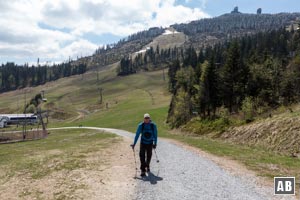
(237, 23)
(14, 76)
(248, 75)
(151, 59)
(210, 31)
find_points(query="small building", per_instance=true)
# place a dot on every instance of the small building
(235, 10)
(259, 11)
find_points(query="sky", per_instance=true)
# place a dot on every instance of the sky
(54, 30)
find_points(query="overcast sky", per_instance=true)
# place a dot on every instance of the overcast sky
(53, 30)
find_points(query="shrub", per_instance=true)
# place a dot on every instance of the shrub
(248, 109)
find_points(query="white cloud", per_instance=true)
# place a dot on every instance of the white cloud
(118, 17)
(79, 48)
(64, 24)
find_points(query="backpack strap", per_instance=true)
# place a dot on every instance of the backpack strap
(152, 127)
(151, 124)
(143, 126)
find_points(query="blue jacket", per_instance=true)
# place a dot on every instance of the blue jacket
(147, 129)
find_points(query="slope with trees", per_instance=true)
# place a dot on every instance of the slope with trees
(14, 76)
(249, 75)
(211, 31)
(204, 33)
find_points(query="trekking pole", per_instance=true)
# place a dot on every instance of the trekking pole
(135, 163)
(157, 161)
(156, 156)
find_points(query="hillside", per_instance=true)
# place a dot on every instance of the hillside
(112, 53)
(75, 100)
(204, 32)
(278, 134)
(207, 32)
(169, 39)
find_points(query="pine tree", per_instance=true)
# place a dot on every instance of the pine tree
(212, 83)
(201, 57)
(232, 77)
(182, 109)
(173, 68)
(190, 57)
(208, 92)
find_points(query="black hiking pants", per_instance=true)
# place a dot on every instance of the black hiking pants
(145, 150)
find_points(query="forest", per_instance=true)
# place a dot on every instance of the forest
(237, 23)
(250, 75)
(203, 32)
(14, 76)
(151, 59)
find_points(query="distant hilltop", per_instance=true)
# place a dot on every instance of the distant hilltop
(236, 11)
(199, 33)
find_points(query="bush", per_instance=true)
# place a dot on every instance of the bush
(31, 109)
(181, 114)
(248, 109)
(206, 126)
(296, 60)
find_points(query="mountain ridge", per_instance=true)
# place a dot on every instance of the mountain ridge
(202, 32)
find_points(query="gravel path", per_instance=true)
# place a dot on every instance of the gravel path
(183, 174)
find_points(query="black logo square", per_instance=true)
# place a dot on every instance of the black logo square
(284, 185)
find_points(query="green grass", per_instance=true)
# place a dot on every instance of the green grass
(61, 150)
(128, 99)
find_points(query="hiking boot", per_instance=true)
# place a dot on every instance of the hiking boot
(143, 174)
